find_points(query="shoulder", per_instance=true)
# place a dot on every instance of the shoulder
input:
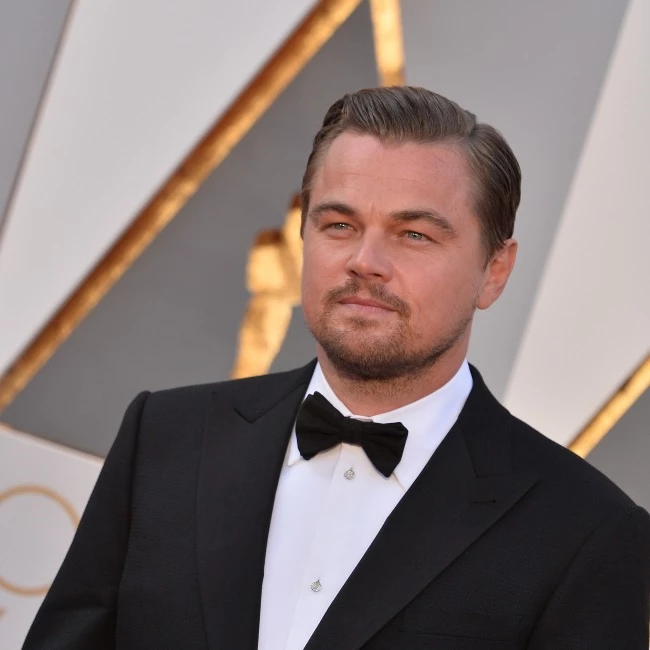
(565, 481)
(569, 482)
(166, 427)
(191, 401)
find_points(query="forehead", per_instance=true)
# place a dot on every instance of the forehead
(361, 168)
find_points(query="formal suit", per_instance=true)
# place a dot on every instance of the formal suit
(505, 540)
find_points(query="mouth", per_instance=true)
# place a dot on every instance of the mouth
(365, 305)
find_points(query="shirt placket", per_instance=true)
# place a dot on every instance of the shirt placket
(323, 578)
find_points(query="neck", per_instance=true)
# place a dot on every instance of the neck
(369, 397)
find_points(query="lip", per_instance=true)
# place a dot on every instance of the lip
(364, 302)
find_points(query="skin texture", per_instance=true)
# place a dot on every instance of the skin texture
(394, 269)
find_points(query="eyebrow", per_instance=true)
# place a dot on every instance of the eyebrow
(432, 217)
(332, 206)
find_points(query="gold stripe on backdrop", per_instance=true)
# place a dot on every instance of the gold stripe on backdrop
(306, 40)
(616, 406)
(389, 41)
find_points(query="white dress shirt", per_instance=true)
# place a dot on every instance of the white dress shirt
(328, 510)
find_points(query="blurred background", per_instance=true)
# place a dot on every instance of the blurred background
(150, 153)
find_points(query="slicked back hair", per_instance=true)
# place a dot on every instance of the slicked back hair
(409, 114)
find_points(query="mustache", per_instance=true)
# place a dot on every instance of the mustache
(377, 292)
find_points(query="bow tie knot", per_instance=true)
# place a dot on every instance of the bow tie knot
(320, 426)
(355, 430)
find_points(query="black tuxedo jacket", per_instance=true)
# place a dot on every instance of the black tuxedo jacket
(505, 540)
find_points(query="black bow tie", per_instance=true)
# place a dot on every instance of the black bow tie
(321, 426)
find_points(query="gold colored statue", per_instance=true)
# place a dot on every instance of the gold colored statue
(273, 279)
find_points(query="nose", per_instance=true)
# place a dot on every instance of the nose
(369, 259)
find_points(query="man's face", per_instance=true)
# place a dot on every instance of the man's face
(394, 265)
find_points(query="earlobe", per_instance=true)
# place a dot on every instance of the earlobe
(497, 273)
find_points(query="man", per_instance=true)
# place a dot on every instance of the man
(381, 497)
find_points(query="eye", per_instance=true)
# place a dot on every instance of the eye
(416, 236)
(338, 226)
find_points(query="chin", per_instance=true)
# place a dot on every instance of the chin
(383, 353)
(358, 354)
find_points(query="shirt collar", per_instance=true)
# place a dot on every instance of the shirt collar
(428, 420)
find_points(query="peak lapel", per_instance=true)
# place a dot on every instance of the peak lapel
(244, 444)
(460, 494)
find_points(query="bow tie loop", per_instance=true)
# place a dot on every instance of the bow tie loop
(320, 426)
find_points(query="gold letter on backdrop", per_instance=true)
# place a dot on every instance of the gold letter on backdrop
(57, 499)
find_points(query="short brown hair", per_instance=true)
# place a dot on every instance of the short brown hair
(409, 114)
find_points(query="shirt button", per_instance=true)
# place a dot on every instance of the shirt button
(349, 474)
(316, 586)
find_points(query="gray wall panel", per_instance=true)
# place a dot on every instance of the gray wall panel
(533, 70)
(624, 453)
(173, 318)
(29, 36)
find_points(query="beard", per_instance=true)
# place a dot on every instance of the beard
(358, 354)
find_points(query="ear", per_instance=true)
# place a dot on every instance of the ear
(497, 273)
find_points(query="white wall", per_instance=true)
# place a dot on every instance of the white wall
(590, 325)
(136, 85)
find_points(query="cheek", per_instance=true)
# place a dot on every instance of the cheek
(437, 293)
(323, 262)
(309, 290)
(318, 277)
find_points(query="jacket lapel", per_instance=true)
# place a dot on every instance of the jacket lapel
(466, 487)
(244, 444)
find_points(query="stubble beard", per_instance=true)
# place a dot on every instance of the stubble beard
(380, 359)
